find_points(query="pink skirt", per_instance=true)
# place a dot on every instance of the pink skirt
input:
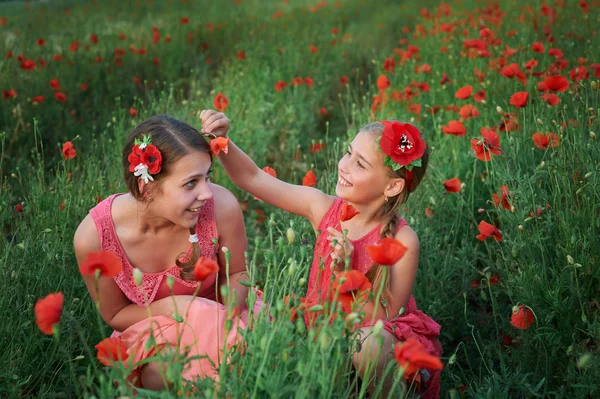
(202, 335)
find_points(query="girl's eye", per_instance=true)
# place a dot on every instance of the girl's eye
(360, 165)
(191, 183)
(348, 153)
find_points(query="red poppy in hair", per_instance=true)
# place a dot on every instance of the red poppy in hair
(402, 144)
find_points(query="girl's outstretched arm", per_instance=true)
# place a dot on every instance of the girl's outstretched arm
(300, 200)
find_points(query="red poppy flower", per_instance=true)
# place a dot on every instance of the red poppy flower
(522, 317)
(323, 111)
(543, 141)
(221, 102)
(111, 350)
(504, 201)
(344, 80)
(309, 179)
(383, 82)
(55, 84)
(184, 20)
(429, 212)
(37, 100)
(550, 99)
(538, 47)
(83, 86)
(241, 55)
(389, 64)
(309, 82)
(10, 94)
(453, 185)
(348, 212)
(402, 142)
(455, 128)
(468, 111)
(152, 158)
(280, 85)
(204, 267)
(557, 83)
(134, 158)
(298, 81)
(490, 144)
(519, 99)
(445, 79)
(313, 49)
(60, 96)
(386, 252)
(19, 208)
(40, 42)
(68, 150)
(106, 262)
(219, 144)
(464, 92)
(488, 230)
(48, 311)
(354, 291)
(412, 356)
(94, 39)
(269, 170)
(317, 147)
(28, 65)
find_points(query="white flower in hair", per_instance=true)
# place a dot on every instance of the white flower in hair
(142, 171)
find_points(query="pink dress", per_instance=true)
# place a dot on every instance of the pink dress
(203, 331)
(412, 323)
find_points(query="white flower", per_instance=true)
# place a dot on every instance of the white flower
(142, 170)
(142, 146)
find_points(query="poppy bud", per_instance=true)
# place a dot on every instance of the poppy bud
(301, 282)
(584, 361)
(594, 85)
(224, 291)
(592, 135)
(353, 318)
(292, 269)
(291, 235)
(452, 359)
(587, 175)
(539, 121)
(570, 259)
(499, 110)
(138, 276)
(170, 282)
(377, 328)
(520, 227)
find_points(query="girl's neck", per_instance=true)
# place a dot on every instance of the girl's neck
(364, 221)
(143, 219)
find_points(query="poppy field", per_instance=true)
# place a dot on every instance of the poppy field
(506, 94)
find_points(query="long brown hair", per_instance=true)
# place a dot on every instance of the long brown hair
(174, 139)
(389, 212)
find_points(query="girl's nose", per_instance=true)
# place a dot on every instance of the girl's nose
(205, 193)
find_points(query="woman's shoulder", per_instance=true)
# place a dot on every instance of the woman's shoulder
(407, 236)
(225, 204)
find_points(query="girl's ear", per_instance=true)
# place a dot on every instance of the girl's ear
(394, 187)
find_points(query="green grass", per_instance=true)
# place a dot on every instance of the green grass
(532, 262)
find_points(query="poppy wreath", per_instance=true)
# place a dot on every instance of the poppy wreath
(403, 147)
(145, 159)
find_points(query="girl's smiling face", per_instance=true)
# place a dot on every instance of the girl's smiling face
(362, 175)
(185, 190)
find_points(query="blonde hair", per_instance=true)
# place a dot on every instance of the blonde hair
(389, 212)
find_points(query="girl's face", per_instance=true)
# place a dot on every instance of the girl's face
(185, 191)
(362, 175)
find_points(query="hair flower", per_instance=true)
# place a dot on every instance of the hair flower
(145, 159)
(402, 145)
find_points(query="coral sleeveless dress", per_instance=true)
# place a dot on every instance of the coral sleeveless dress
(412, 323)
(203, 332)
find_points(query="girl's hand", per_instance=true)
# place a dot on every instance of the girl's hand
(342, 249)
(214, 122)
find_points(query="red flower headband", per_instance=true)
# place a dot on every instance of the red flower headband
(403, 147)
(145, 159)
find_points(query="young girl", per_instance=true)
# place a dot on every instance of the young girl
(374, 177)
(168, 219)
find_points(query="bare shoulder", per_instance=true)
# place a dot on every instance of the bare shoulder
(86, 238)
(407, 236)
(226, 204)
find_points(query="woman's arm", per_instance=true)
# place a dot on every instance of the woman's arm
(300, 200)
(232, 235)
(115, 309)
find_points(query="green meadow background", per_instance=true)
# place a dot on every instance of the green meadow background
(550, 253)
